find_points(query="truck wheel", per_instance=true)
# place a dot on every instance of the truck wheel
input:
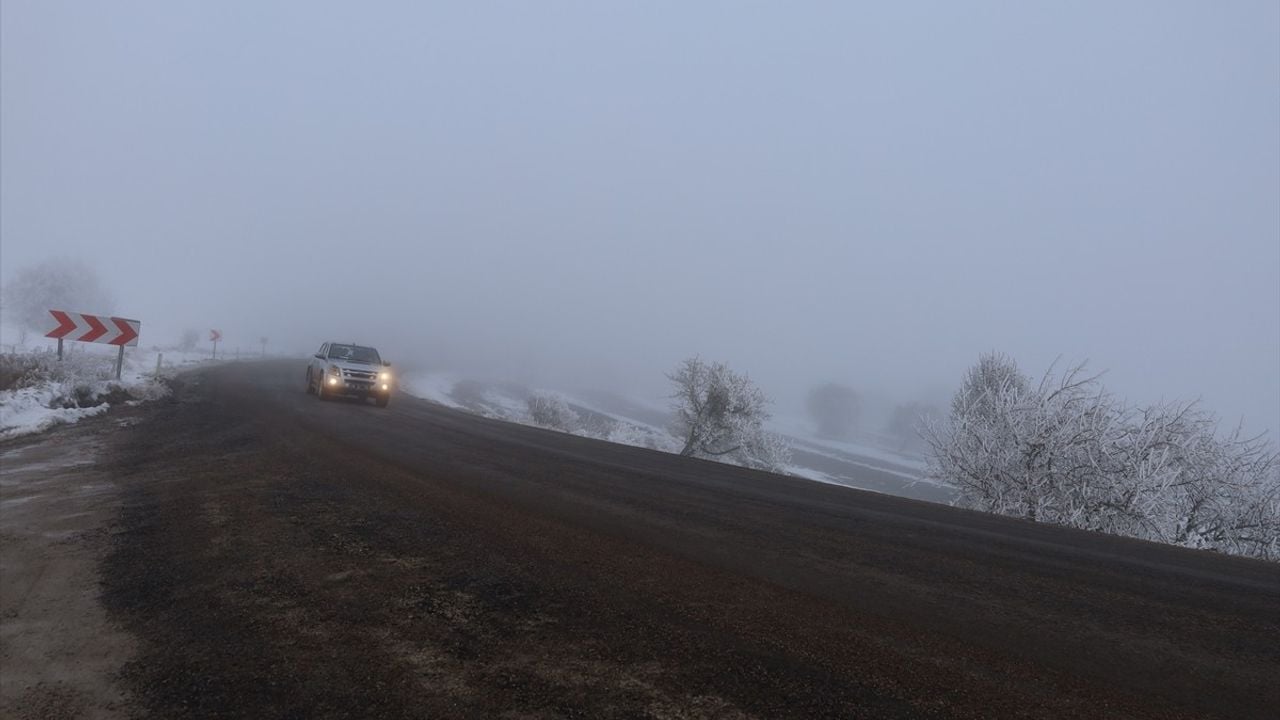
(320, 389)
(310, 389)
(381, 400)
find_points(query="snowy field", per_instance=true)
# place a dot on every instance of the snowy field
(635, 422)
(510, 402)
(38, 391)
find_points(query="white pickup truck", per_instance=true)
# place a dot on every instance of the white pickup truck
(351, 370)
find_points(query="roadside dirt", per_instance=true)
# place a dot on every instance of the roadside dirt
(59, 653)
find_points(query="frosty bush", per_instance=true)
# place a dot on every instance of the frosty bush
(552, 411)
(721, 414)
(1065, 451)
(19, 370)
(628, 434)
(596, 425)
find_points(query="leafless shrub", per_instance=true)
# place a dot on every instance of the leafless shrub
(551, 411)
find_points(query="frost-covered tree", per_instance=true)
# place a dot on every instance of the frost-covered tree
(721, 414)
(1067, 452)
(552, 411)
(835, 409)
(995, 376)
(54, 285)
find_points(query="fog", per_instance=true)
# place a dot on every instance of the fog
(579, 194)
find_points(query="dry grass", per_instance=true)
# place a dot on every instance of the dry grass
(77, 370)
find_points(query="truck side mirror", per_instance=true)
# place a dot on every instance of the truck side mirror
(319, 356)
(386, 363)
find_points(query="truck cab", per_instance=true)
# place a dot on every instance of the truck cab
(351, 370)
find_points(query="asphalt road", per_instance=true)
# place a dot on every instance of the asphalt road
(279, 556)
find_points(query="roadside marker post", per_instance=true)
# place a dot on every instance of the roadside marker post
(215, 336)
(104, 329)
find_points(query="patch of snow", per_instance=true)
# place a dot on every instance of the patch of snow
(905, 475)
(800, 429)
(867, 452)
(52, 392)
(621, 429)
(846, 459)
(506, 405)
(26, 410)
(639, 435)
(614, 416)
(608, 420)
(809, 474)
(819, 476)
(435, 387)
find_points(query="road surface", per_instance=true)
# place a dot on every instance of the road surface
(278, 556)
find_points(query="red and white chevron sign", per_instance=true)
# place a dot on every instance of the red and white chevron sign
(93, 328)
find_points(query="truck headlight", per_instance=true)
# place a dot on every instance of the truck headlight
(334, 369)
(384, 377)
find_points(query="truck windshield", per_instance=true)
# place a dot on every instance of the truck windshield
(354, 353)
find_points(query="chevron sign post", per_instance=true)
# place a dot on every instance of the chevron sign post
(82, 327)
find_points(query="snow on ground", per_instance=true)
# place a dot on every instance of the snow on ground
(435, 387)
(867, 451)
(40, 391)
(617, 417)
(613, 418)
(506, 401)
(801, 471)
(807, 473)
(33, 409)
(854, 456)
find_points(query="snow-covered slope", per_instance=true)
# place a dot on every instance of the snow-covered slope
(611, 417)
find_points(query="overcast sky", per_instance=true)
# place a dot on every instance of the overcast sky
(590, 191)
